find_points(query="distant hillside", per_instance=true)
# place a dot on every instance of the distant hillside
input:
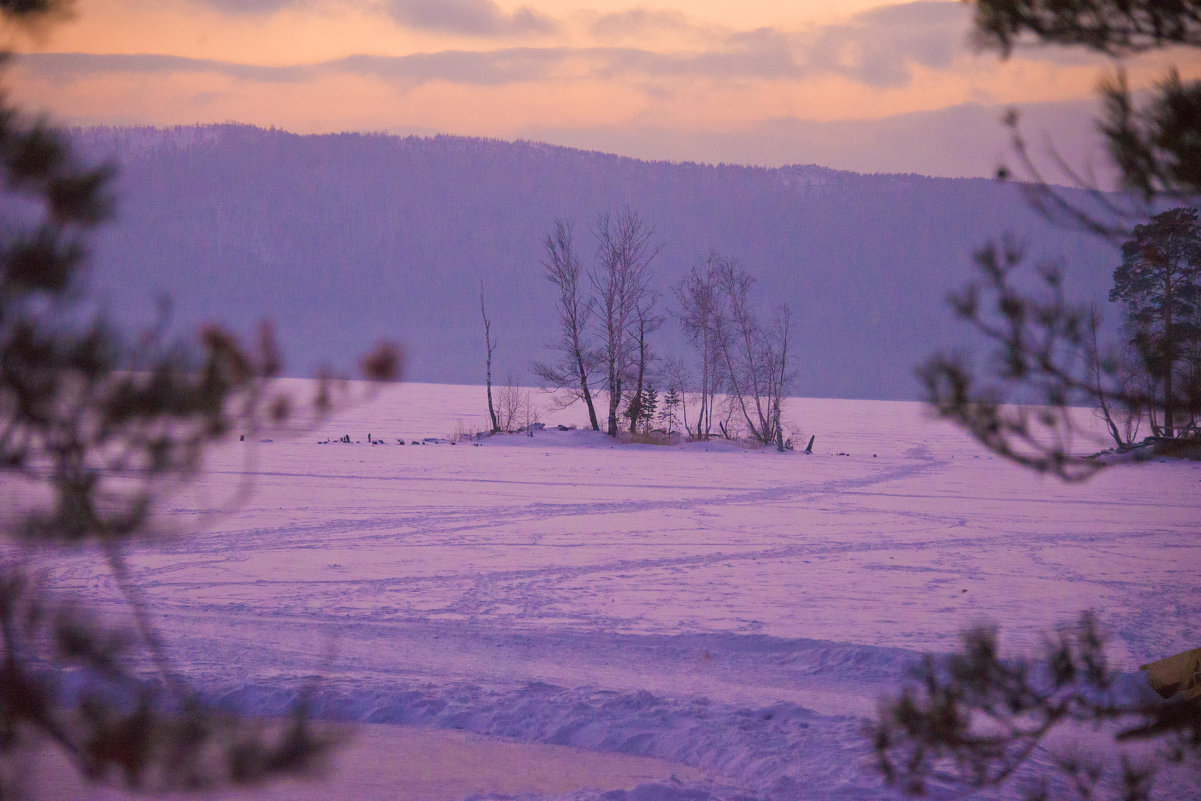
(344, 239)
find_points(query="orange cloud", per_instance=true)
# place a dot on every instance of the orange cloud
(494, 68)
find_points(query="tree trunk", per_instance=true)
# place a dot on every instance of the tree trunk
(488, 344)
(583, 373)
(636, 402)
(614, 403)
(1169, 357)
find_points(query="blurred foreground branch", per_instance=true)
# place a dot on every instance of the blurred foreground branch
(971, 721)
(94, 432)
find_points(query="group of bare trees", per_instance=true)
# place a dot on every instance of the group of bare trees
(736, 353)
(608, 312)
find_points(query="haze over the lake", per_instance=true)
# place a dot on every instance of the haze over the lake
(861, 85)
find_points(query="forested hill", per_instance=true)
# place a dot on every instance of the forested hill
(341, 240)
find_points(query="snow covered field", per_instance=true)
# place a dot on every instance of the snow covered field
(734, 613)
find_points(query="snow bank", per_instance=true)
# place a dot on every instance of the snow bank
(780, 750)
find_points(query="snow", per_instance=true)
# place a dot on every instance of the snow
(444, 765)
(731, 612)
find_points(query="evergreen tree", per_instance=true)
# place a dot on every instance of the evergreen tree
(1159, 280)
(667, 415)
(650, 402)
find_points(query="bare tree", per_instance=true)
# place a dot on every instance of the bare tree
(775, 357)
(647, 322)
(755, 359)
(1121, 417)
(514, 407)
(699, 307)
(576, 359)
(620, 280)
(490, 347)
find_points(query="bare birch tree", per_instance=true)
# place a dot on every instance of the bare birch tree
(755, 359)
(576, 359)
(779, 376)
(620, 280)
(491, 346)
(647, 322)
(699, 307)
(515, 409)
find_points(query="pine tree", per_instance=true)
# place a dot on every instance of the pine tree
(650, 402)
(667, 415)
(1159, 280)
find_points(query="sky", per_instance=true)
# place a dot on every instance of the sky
(859, 84)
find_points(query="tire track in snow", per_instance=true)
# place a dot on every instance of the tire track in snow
(440, 521)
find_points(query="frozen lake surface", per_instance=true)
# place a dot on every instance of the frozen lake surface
(736, 612)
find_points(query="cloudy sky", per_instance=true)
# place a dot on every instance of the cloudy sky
(856, 84)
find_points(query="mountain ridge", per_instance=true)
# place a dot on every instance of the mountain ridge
(342, 239)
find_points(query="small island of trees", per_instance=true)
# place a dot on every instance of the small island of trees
(603, 347)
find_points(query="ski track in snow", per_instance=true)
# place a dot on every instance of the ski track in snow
(739, 612)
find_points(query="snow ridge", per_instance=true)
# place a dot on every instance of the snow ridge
(751, 749)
